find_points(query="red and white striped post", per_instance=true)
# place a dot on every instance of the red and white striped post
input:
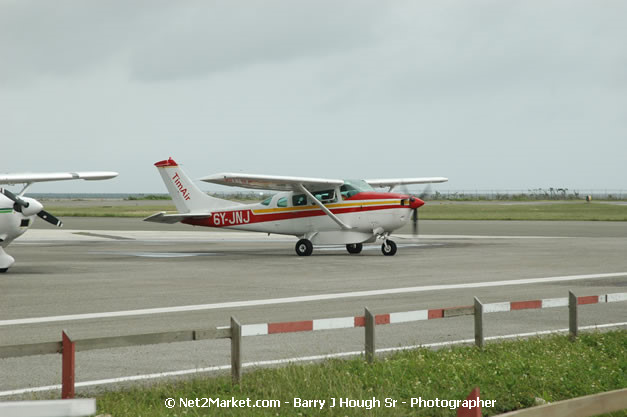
(67, 366)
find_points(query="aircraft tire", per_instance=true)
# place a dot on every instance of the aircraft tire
(304, 247)
(3, 270)
(388, 248)
(354, 248)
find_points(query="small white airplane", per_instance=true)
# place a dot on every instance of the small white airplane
(18, 212)
(317, 211)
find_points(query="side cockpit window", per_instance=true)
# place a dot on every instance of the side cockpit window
(347, 191)
(267, 201)
(326, 196)
(299, 200)
(352, 187)
(282, 202)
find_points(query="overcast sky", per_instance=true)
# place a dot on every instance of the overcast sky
(491, 94)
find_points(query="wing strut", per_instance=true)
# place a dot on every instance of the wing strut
(323, 207)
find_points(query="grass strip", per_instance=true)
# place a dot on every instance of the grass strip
(514, 373)
(140, 211)
(578, 211)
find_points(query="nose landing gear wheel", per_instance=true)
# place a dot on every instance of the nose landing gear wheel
(388, 248)
(304, 247)
(354, 247)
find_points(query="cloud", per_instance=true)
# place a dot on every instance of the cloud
(62, 38)
(199, 40)
(159, 40)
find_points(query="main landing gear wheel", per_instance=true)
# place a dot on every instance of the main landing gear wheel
(354, 247)
(388, 248)
(304, 247)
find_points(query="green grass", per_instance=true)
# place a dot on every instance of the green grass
(139, 211)
(148, 197)
(434, 210)
(513, 373)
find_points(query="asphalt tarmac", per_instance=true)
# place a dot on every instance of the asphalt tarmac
(99, 266)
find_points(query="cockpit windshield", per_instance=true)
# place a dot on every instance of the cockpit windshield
(352, 187)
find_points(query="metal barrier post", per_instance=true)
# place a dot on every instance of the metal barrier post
(479, 340)
(236, 351)
(572, 315)
(370, 342)
(67, 366)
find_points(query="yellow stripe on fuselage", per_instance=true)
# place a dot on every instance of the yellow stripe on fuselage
(329, 206)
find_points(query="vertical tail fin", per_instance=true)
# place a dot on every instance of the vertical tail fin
(186, 195)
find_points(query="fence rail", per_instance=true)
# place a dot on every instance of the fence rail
(109, 342)
(236, 331)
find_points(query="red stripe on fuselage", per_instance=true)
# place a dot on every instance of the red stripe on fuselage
(243, 217)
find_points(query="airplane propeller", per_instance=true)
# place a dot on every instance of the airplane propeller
(414, 215)
(19, 205)
(43, 214)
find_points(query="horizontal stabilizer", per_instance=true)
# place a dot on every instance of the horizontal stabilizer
(162, 217)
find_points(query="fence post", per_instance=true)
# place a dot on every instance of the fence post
(370, 342)
(67, 366)
(572, 315)
(236, 351)
(479, 340)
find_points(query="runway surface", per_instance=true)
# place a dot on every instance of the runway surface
(100, 277)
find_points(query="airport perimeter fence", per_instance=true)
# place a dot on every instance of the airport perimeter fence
(68, 346)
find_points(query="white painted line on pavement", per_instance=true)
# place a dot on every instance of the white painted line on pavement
(422, 237)
(304, 298)
(292, 360)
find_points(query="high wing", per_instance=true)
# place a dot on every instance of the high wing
(269, 182)
(404, 181)
(55, 176)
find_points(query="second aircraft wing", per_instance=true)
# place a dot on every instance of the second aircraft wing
(269, 182)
